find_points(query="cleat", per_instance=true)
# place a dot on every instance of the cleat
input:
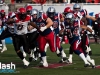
(26, 62)
(86, 65)
(59, 55)
(41, 62)
(70, 61)
(93, 67)
(64, 60)
(60, 61)
(25, 66)
(45, 64)
(93, 63)
(4, 49)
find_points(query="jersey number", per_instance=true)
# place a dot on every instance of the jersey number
(20, 27)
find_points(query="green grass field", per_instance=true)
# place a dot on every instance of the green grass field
(77, 68)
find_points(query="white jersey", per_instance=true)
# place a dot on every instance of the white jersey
(21, 25)
(21, 28)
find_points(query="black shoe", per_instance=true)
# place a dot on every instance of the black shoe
(30, 59)
(64, 58)
(25, 67)
(60, 61)
(59, 55)
(86, 65)
(93, 67)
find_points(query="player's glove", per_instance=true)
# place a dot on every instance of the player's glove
(43, 28)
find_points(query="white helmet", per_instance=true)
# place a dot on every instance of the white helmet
(69, 15)
(51, 9)
(34, 11)
(51, 12)
(77, 6)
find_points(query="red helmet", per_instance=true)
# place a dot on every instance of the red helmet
(11, 14)
(22, 10)
(67, 10)
(2, 11)
(97, 15)
(29, 8)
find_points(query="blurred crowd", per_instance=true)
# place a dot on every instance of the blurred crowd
(53, 1)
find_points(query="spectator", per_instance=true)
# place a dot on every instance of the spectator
(62, 1)
(1, 1)
(18, 1)
(78, 1)
(56, 1)
(5, 7)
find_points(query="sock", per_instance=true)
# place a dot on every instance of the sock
(70, 56)
(83, 58)
(46, 46)
(21, 48)
(57, 51)
(63, 54)
(3, 43)
(43, 54)
(89, 48)
(44, 59)
(60, 49)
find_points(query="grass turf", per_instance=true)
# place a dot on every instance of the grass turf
(77, 68)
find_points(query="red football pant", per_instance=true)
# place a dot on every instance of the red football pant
(50, 39)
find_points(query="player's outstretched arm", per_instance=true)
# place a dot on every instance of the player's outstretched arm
(90, 17)
(86, 28)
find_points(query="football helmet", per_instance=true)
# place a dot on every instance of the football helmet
(70, 17)
(76, 7)
(51, 12)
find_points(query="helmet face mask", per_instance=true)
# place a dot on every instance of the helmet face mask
(3, 14)
(29, 12)
(34, 13)
(22, 16)
(76, 7)
(22, 13)
(51, 12)
(69, 18)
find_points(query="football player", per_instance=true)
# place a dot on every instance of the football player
(55, 17)
(3, 18)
